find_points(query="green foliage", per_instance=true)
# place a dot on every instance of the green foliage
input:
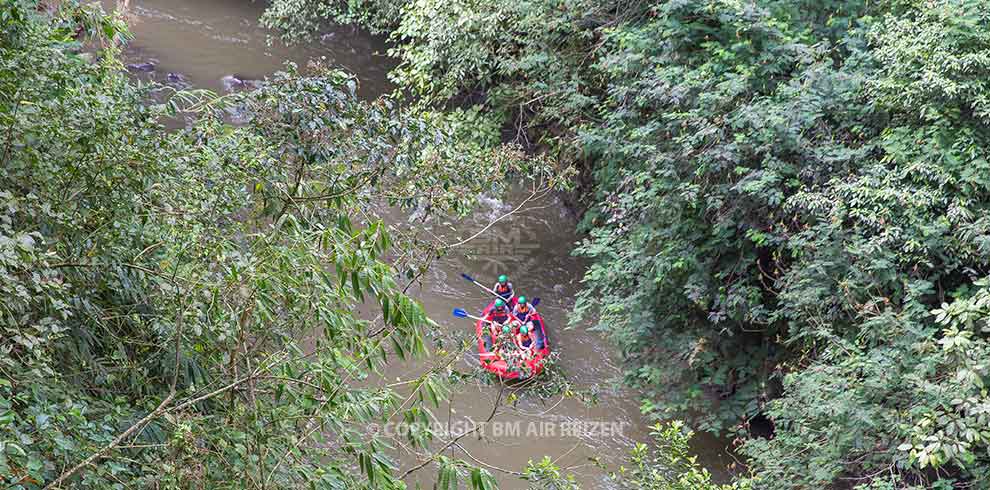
(184, 305)
(668, 465)
(665, 465)
(545, 475)
(299, 19)
(533, 71)
(779, 193)
(451, 471)
(915, 403)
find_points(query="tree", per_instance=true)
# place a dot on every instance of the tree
(155, 284)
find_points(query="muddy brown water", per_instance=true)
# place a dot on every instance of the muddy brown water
(534, 248)
(198, 43)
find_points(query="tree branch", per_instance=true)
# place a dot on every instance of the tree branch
(453, 441)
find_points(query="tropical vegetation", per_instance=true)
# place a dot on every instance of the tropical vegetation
(180, 297)
(785, 205)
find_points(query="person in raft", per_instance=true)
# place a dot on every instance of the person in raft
(503, 339)
(525, 339)
(503, 287)
(493, 329)
(523, 310)
(499, 313)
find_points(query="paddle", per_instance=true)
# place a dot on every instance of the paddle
(460, 313)
(482, 286)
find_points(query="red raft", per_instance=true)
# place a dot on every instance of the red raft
(512, 368)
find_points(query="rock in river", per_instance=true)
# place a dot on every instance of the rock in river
(147, 66)
(234, 82)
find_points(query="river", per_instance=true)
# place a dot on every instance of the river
(199, 43)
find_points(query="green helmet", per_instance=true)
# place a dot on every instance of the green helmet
(506, 329)
(522, 300)
(499, 303)
(503, 279)
(523, 329)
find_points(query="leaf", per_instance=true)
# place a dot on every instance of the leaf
(356, 285)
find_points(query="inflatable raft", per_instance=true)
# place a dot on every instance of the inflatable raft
(508, 363)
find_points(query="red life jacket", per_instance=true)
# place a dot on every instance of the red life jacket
(499, 314)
